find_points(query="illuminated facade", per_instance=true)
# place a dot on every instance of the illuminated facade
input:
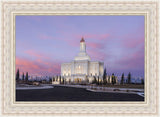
(82, 69)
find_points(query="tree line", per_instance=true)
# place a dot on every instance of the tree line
(113, 78)
(24, 77)
(95, 81)
(128, 79)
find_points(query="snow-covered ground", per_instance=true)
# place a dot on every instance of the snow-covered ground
(27, 87)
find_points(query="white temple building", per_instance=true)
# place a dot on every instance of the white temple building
(82, 69)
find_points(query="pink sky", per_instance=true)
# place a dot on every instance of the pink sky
(43, 43)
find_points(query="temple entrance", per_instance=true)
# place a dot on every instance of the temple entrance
(77, 80)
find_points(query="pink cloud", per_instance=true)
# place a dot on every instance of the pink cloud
(98, 40)
(132, 61)
(88, 39)
(96, 54)
(74, 43)
(38, 66)
(26, 65)
(134, 39)
(132, 42)
(36, 54)
(95, 45)
(88, 44)
(41, 64)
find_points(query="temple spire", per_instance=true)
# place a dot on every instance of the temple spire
(82, 55)
(82, 40)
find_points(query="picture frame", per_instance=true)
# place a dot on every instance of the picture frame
(12, 8)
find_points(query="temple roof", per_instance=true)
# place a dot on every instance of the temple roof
(82, 40)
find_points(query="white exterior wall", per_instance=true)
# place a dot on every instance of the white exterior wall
(66, 69)
(101, 68)
(82, 68)
(96, 68)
